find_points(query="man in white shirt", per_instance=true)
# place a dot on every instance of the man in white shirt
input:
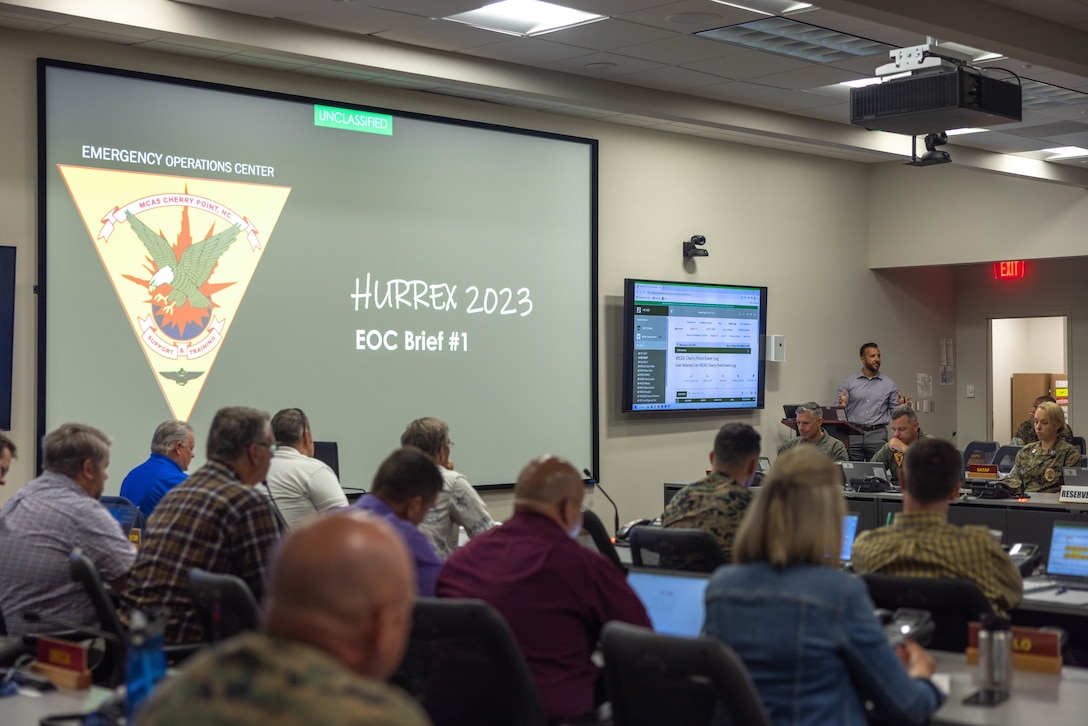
(458, 504)
(298, 484)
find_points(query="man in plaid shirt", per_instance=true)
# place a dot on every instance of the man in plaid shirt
(214, 520)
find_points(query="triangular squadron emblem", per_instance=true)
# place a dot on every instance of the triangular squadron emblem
(180, 296)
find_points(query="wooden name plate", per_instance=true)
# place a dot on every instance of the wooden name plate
(1032, 649)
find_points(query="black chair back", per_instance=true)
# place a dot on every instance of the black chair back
(1006, 457)
(675, 548)
(658, 679)
(953, 603)
(224, 602)
(979, 452)
(464, 666)
(110, 671)
(598, 535)
(1079, 442)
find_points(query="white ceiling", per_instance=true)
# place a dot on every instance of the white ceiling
(642, 65)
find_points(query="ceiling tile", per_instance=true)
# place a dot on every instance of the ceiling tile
(607, 35)
(804, 78)
(443, 35)
(670, 78)
(671, 16)
(623, 65)
(679, 50)
(527, 51)
(749, 64)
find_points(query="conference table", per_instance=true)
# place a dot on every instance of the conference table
(1043, 698)
(28, 707)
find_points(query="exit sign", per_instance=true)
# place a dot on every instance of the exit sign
(1009, 270)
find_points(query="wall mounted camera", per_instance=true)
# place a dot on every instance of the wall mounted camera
(691, 248)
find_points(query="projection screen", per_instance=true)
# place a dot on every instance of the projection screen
(204, 246)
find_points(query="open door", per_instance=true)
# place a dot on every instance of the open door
(1029, 357)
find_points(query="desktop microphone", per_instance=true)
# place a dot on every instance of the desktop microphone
(615, 509)
(953, 436)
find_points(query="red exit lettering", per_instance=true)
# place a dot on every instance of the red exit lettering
(1009, 270)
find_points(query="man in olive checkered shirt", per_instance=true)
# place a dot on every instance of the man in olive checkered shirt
(921, 542)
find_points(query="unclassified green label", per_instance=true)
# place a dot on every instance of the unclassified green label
(352, 120)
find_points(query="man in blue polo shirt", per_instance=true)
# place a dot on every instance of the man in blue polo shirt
(869, 398)
(172, 449)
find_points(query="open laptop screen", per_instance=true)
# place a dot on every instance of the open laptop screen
(1069, 551)
(849, 531)
(673, 600)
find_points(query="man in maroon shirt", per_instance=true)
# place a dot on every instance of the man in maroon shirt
(555, 594)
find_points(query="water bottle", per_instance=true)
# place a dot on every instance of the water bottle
(995, 655)
(145, 663)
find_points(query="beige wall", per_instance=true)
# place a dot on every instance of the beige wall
(1050, 288)
(942, 215)
(795, 223)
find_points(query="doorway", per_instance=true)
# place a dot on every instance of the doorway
(1038, 346)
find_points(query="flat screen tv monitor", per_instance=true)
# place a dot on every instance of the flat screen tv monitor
(692, 346)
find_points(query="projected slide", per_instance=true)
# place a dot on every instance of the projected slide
(207, 247)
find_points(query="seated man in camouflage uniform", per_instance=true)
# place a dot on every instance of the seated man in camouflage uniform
(810, 430)
(717, 503)
(337, 619)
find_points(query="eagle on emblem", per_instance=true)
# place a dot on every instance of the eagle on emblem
(184, 276)
(182, 376)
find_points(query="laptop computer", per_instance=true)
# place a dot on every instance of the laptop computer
(859, 471)
(1067, 564)
(764, 464)
(125, 516)
(673, 600)
(849, 532)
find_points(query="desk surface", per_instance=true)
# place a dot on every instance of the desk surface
(1053, 700)
(28, 708)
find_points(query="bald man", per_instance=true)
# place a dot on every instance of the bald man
(336, 623)
(555, 594)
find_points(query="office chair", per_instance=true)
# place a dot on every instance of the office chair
(110, 671)
(675, 548)
(1079, 442)
(979, 452)
(658, 679)
(953, 603)
(225, 604)
(601, 542)
(465, 668)
(1005, 458)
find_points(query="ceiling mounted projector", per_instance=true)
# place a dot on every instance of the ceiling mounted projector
(943, 92)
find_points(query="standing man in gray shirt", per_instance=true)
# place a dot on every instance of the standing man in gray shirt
(869, 399)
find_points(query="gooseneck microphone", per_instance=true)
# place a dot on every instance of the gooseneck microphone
(615, 509)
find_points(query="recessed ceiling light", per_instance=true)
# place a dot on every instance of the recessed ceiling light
(861, 82)
(960, 132)
(524, 17)
(768, 7)
(1065, 152)
(797, 40)
(601, 66)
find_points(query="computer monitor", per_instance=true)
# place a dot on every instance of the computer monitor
(849, 531)
(327, 452)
